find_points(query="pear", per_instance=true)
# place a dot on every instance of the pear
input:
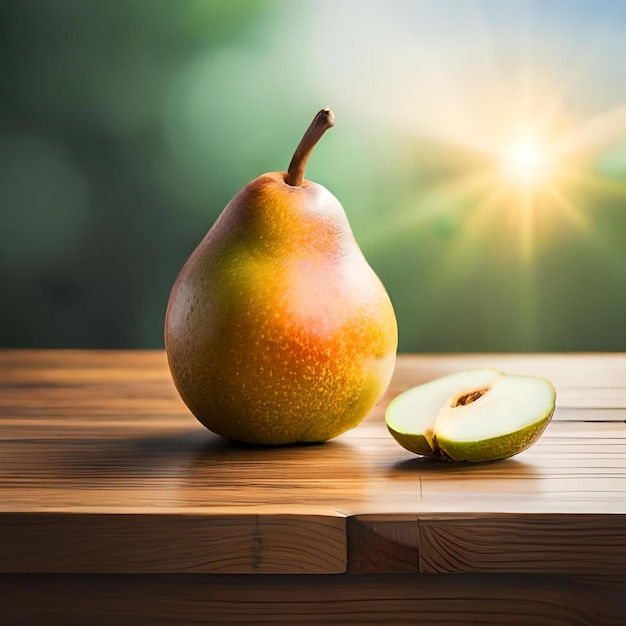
(277, 330)
(475, 415)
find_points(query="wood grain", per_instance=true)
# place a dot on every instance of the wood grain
(500, 543)
(378, 545)
(349, 599)
(116, 503)
(158, 543)
(106, 432)
(566, 544)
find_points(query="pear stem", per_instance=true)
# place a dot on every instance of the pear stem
(320, 124)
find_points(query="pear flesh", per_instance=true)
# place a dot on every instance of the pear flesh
(476, 415)
(277, 330)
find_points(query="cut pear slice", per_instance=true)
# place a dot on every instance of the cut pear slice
(476, 415)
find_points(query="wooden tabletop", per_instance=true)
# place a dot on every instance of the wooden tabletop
(103, 470)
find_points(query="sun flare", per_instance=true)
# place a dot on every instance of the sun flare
(526, 162)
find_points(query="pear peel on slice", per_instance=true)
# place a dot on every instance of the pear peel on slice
(475, 415)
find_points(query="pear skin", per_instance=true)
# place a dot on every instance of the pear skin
(277, 330)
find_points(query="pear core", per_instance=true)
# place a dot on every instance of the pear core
(476, 415)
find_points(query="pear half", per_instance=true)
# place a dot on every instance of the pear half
(475, 415)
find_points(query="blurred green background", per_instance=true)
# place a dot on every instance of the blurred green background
(479, 152)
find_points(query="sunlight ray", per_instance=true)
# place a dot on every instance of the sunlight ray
(484, 216)
(596, 133)
(434, 202)
(568, 209)
(595, 183)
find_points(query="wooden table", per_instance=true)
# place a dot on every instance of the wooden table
(117, 506)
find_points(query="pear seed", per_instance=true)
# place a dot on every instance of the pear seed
(468, 397)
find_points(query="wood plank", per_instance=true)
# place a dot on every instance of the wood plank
(97, 444)
(581, 414)
(128, 468)
(382, 545)
(534, 544)
(143, 464)
(502, 544)
(35, 359)
(158, 543)
(341, 600)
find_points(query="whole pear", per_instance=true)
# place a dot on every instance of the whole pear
(277, 330)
